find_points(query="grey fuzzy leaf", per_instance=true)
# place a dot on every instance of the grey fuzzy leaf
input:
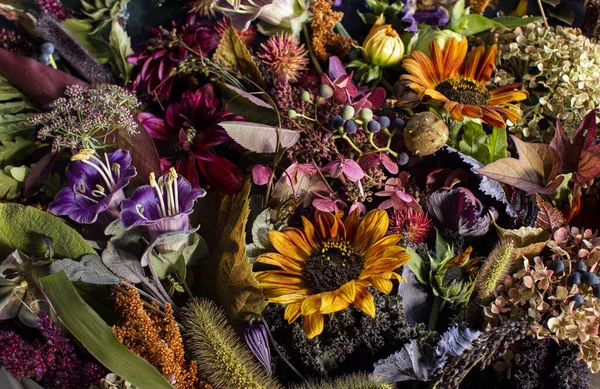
(89, 269)
(457, 339)
(123, 263)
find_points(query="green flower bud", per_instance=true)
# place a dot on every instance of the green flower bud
(428, 35)
(383, 46)
(365, 114)
(292, 114)
(347, 112)
(325, 91)
(305, 96)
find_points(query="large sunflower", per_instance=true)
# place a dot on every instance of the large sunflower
(326, 266)
(461, 84)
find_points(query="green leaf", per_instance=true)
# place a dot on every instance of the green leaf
(12, 181)
(473, 142)
(15, 151)
(23, 227)
(82, 30)
(227, 275)
(12, 125)
(234, 101)
(474, 24)
(233, 52)
(457, 12)
(97, 337)
(514, 22)
(120, 45)
(497, 145)
(418, 266)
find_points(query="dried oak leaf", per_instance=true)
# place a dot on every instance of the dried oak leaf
(535, 171)
(548, 217)
(579, 154)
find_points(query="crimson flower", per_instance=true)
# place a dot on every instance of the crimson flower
(156, 59)
(186, 138)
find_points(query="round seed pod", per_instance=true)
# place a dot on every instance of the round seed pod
(425, 133)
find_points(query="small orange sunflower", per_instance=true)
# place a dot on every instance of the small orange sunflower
(461, 84)
(326, 266)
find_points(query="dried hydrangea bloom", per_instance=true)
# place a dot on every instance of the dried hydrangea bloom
(561, 60)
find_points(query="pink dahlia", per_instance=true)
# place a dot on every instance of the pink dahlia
(187, 136)
(157, 58)
(284, 56)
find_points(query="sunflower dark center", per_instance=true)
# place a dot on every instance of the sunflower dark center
(464, 91)
(330, 266)
(455, 274)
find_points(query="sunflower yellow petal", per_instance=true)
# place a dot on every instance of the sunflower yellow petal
(292, 312)
(286, 246)
(364, 301)
(371, 229)
(313, 325)
(311, 305)
(331, 302)
(382, 284)
(347, 291)
(290, 298)
(280, 261)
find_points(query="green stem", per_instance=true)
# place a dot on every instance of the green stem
(342, 30)
(386, 84)
(438, 305)
(311, 54)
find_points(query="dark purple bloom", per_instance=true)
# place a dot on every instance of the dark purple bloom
(53, 360)
(423, 13)
(156, 59)
(258, 342)
(163, 206)
(458, 212)
(94, 185)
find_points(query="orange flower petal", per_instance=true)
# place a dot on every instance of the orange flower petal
(427, 71)
(491, 116)
(286, 246)
(347, 292)
(280, 261)
(438, 61)
(506, 97)
(309, 232)
(292, 312)
(472, 63)
(351, 224)
(364, 301)
(290, 298)
(299, 239)
(278, 277)
(487, 65)
(313, 325)
(331, 302)
(434, 95)
(455, 110)
(454, 56)
(382, 284)
(371, 229)
(311, 305)
(472, 111)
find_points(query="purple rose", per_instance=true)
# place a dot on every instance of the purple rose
(94, 186)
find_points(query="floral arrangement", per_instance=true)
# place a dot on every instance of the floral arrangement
(321, 194)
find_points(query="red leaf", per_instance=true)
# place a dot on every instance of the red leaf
(548, 217)
(41, 83)
(535, 171)
(144, 155)
(579, 154)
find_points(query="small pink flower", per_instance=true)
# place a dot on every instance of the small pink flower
(399, 199)
(261, 174)
(326, 203)
(349, 167)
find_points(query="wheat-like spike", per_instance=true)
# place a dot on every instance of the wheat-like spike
(353, 381)
(495, 268)
(222, 358)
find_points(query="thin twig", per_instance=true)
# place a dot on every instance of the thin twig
(543, 14)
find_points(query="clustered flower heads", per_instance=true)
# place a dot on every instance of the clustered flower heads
(560, 65)
(87, 118)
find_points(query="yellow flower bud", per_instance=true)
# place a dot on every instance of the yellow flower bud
(383, 46)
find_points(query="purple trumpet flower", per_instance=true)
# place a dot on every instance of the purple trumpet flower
(429, 14)
(94, 185)
(163, 206)
(258, 342)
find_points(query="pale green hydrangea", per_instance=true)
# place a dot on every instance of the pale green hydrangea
(561, 69)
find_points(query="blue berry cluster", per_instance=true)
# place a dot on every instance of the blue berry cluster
(579, 276)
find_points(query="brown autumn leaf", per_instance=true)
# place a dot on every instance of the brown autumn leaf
(548, 217)
(528, 241)
(535, 171)
(228, 275)
(233, 52)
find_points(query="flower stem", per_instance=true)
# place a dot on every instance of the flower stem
(438, 305)
(311, 53)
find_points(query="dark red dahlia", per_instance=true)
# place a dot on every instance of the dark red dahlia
(54, 8)
(186, 138)
(156, 59)
(413, 225)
